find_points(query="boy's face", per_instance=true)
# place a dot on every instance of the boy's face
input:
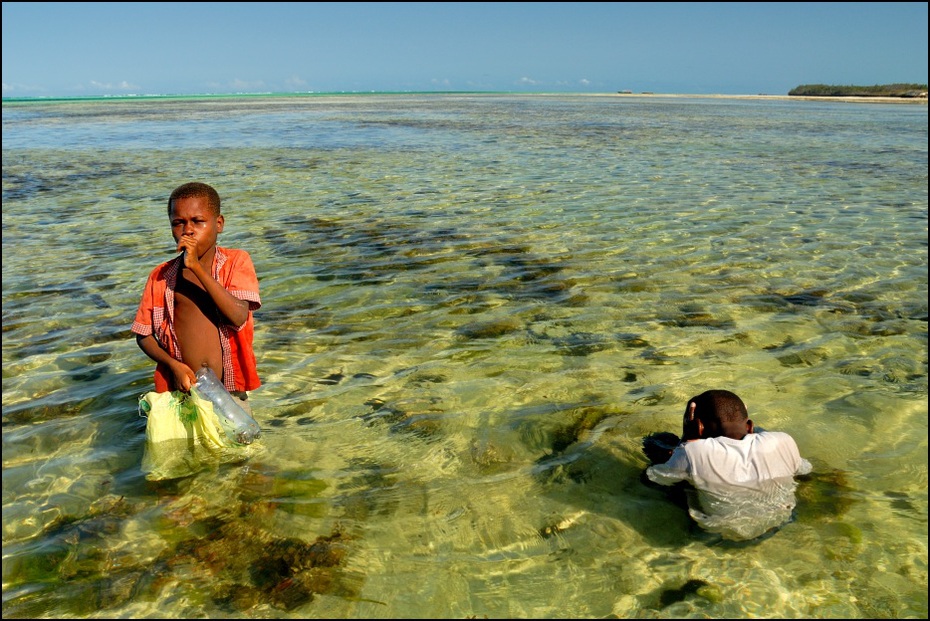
(192, 218)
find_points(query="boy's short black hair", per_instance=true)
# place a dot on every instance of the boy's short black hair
(196, 189)
(720, 406)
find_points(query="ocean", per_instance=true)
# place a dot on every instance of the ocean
(475, 306)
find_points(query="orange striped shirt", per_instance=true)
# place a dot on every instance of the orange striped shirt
(234, 270)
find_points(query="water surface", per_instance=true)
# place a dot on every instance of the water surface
(475, 306)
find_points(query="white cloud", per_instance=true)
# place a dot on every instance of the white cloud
(109, 86)
(240, 85)
(295, 82)
(23, 90)
(479, 85)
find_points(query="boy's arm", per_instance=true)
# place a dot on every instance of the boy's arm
(804, 467)
(184, 377)
(235, 310)
(676, 469)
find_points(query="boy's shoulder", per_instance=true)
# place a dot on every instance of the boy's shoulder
(772, 435)
(234, 254)
(159, 271)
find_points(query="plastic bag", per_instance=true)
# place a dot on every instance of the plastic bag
(183, 435)
(236, 422)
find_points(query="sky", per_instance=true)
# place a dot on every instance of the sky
(89, 49)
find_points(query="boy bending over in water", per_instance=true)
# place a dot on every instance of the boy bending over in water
(742, 478)
(196, 308)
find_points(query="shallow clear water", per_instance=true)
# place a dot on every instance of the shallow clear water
(474, 309)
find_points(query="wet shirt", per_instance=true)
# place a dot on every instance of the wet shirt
(743, 488)
(234, 270)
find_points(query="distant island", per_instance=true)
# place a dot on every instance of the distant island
(909, 91)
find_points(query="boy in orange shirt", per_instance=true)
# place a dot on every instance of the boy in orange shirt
(196, 308)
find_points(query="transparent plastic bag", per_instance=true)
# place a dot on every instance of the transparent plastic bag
(236, 422)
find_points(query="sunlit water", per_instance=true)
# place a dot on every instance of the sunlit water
(474, 309)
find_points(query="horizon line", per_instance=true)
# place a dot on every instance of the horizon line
(621, 93)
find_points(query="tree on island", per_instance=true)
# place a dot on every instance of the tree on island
(879, 90)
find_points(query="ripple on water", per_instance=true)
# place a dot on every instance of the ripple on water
(474, 308)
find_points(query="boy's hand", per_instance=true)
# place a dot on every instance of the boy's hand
(658, 447)
(691, 430)
(188, 246)
(184, 377)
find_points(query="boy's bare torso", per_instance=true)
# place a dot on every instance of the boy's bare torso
(196, 324)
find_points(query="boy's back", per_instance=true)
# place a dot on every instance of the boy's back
(741, 483)
(757, 457)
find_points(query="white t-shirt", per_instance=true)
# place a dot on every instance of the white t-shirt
(744, 487)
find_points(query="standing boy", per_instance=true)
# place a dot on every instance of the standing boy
(196, 308)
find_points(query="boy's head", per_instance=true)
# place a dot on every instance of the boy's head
(194, 213)
(716, 413)
(195, 189)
